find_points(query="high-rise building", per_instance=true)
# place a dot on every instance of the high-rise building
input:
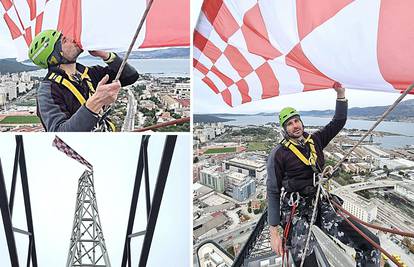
(252, 168)
(359, 207)
(212, 178)
(240, 186)
(406, 190)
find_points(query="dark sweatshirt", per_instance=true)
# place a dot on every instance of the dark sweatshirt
(60, 111)
(285, 169)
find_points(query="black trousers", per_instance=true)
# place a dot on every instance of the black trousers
(331, 224)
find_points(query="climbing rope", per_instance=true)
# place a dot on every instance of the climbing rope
(315, 208)
(329, 171)
(401, 97)
(374, 244)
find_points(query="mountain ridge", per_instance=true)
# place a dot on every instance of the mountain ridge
(10, 65)
(404, 111)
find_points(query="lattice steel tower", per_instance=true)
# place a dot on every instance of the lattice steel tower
(87, 244)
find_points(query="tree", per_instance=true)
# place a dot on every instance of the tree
(249, 210)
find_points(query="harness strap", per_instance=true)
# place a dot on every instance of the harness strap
(69, 85)
(59, 79)
(85, 76)
(286, 235)
(311, 161)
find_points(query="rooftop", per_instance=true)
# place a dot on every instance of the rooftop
(247, 162)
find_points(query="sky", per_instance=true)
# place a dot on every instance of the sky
(53, 181)
(207, 102)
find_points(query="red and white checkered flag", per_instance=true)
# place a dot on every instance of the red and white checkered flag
(77, 19)
(63, 147)
(256, 49)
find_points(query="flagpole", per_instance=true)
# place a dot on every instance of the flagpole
(144, 16)
(121, 68)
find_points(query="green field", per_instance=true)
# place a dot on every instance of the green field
(20, 120)
(254, 146)
(220, 150)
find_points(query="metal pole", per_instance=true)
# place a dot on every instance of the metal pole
(14, 178)
(158, 193)
(8, 227)
(121, 68)
(134, 201)
(147, 185)
(396, 102)
(26, 197)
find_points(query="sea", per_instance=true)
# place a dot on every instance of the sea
(403, 132)
(157, 67)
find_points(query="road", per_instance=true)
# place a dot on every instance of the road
(129, 121)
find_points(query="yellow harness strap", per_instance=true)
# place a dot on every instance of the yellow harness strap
(59, 79)
(68, 84)
(86, 77)
(313, 156)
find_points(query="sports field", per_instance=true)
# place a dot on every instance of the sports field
(20, 120)
(220, 150)
(254, 146)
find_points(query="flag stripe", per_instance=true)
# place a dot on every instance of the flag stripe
(220, 17)
(32, 6)
(39, 22)
(14, 29)
(311, 77)
(168, 24)
(70, 20)
(211, 84)
(226, 80)
(237, 60)
(255, 33)
(227, 97)
(310, 17)
(200, 66)
(208, 48)
(7, 4)
(396, 61)
(244, 91)
(28, 36)
(269, 82)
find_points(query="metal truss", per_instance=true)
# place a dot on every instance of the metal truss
(87, 243)
(258, 247)
(258, 244)
(152, 208)
(6, 207)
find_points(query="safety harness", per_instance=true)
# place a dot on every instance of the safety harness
(293, 203)
(106, 125)
(311, 161)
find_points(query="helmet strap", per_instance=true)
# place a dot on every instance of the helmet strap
(57, 58)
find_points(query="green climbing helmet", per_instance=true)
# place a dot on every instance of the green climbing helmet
(42, 48)
(287, 113)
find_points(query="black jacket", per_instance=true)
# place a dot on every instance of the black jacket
(60, 111)
(285, 169)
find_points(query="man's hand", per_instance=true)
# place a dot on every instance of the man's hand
(275, 240)
(102, 54)
(340, 91)
(105, 94)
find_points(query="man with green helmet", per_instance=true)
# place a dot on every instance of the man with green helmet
(71, 96)
(292, 170)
